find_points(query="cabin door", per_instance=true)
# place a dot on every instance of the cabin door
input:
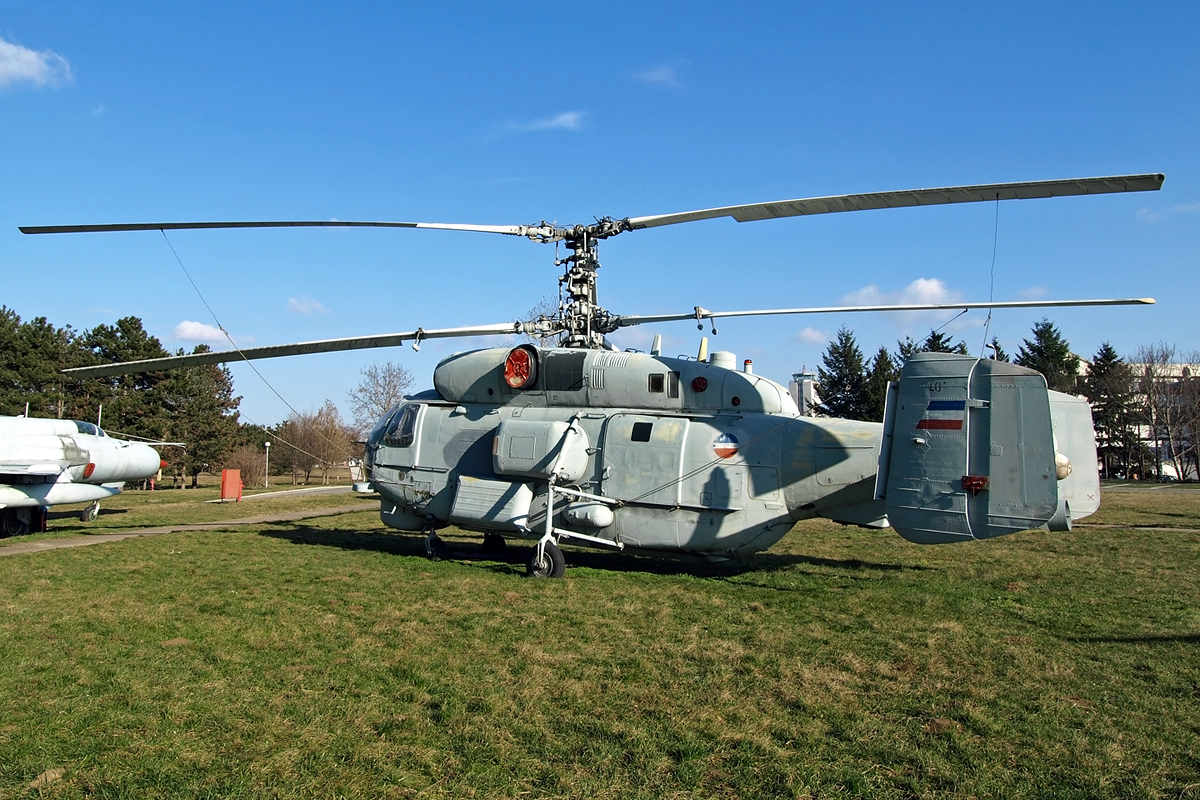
(643, 465)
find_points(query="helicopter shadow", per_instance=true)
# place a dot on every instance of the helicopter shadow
(514, 555)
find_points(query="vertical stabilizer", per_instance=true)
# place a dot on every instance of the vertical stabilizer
(968, 450)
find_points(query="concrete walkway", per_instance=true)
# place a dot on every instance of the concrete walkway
(99, 538)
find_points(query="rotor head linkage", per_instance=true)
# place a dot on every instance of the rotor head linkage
(584, 321)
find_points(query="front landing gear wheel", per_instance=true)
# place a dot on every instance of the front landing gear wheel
(550, 565)
(90, 513)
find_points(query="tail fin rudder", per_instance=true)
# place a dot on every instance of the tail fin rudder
(968, 450)
(1075, 438)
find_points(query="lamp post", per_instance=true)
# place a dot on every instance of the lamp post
(267, 477)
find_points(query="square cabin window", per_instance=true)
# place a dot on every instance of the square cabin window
(641, 431)
(673, 385)
(656, 383)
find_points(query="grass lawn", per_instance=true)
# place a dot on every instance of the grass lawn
(330, 658)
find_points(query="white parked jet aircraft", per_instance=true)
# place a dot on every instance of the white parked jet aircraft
(46, 462)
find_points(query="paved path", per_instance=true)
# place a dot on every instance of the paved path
(98, 538)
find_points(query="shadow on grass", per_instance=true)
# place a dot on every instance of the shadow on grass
(1181, 638)
(104, 512)
(517, 552)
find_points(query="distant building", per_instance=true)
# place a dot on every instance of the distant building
(803, 389)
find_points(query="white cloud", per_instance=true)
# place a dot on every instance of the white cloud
(1154, 215)
(305, 305)
(19, 63)
(921, 291)
(566, 121)
(665, 75)
(98, 110)
(1033, 293)
(189, 331)
(812, 336)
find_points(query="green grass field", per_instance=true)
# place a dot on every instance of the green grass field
(328, 658)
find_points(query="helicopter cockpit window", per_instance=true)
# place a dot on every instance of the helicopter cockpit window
(402, 429)
(656, 382)
(381, 426)
(641, 431)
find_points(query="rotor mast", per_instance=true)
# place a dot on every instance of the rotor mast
(584, 321)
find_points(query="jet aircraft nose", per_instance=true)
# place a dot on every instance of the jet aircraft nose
(124, 461)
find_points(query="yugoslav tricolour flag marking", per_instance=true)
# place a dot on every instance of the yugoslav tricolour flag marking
(726, 445)
(943, 415)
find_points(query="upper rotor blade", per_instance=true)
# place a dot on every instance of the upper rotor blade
(300, 348)
(532, 231)
(703, 313)
(911, 197)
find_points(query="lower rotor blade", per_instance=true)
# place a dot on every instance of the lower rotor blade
(300, 348)
(702, 313)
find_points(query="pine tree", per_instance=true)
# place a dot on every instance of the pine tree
(131, 403)
(938, 342)
(883, 371)
(842, 379)
(1050, 354)
(1109, 390)
(32, 355)
(998, 353)
(202, 413)
(906, 348)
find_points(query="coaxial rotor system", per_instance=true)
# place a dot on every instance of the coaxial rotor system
(581, 321)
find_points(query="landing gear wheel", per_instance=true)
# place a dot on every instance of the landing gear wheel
(11, 524)
(494, 543)
(551, 565)
(436, 548)
(90, 513)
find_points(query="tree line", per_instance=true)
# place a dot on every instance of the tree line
(195, 406)
(1145, 408)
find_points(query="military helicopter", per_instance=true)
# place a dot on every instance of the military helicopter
(643, 453)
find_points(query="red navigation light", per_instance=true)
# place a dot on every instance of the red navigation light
(699, 383)
(520, 368)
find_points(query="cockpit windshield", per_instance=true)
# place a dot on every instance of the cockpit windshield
(88, 428)
(402, 429)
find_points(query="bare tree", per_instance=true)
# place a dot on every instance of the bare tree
(334, 438)
(546, 309)
(250, 461)
(381, 387)
(1172, 406)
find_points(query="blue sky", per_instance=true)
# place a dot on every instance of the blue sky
(499, 114)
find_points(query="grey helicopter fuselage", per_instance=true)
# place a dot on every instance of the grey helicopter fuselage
(633, 450)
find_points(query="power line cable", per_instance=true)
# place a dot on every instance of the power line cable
(987, 323)
(248, 362)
